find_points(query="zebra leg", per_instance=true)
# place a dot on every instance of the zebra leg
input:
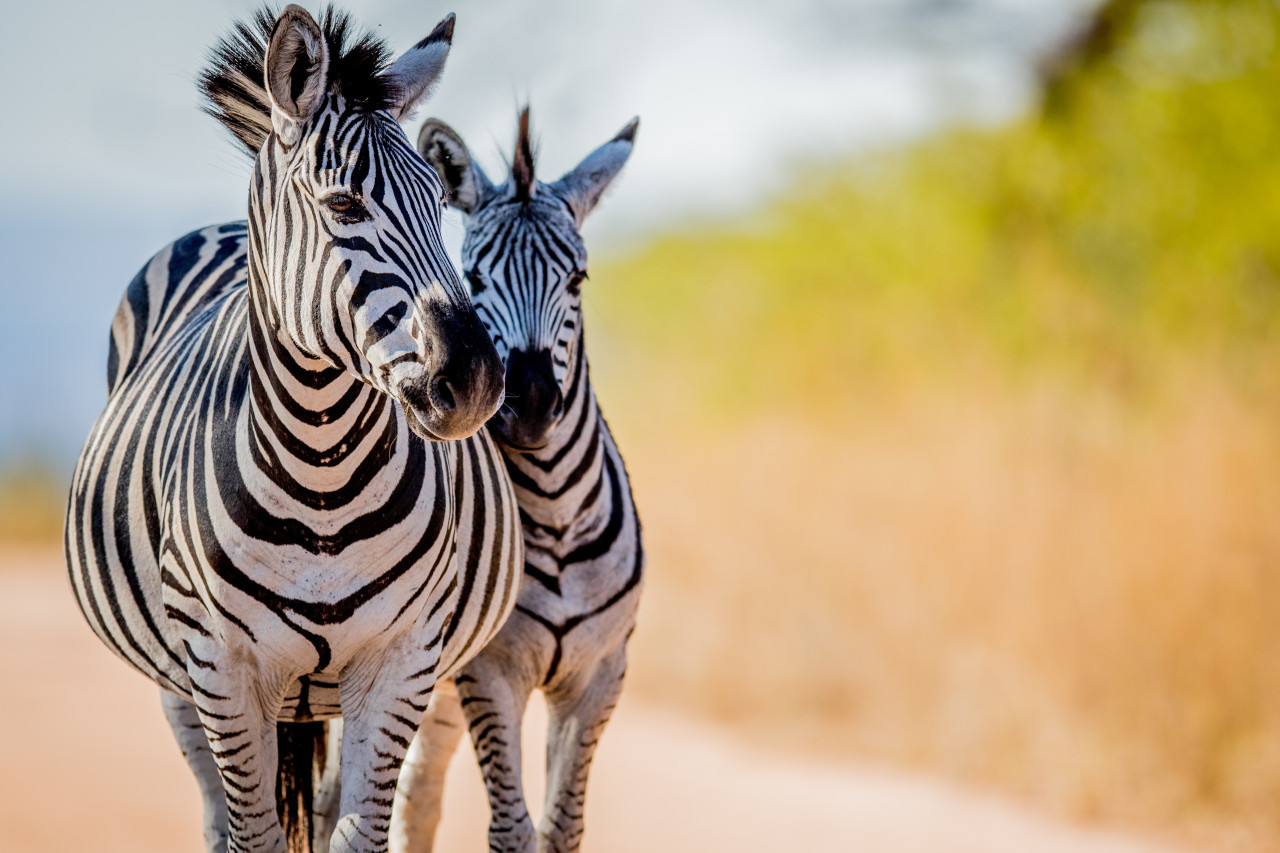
(384, 698)
(324, 810)
(239, 718)
(184, 719)
(578, 712)
(420, 791)
(494, 697)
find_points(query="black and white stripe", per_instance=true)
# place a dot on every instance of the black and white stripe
(584, 563)
(264, 519)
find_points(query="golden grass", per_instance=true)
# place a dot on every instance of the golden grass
(32, 502)
(1057, 592)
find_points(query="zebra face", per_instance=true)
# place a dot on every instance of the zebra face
(347, 216)
(526, 264)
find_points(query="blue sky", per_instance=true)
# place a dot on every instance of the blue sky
(109, 156)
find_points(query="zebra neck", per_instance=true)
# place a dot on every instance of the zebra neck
(561, 486)
(314, 431)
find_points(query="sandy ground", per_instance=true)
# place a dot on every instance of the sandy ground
(88, 764)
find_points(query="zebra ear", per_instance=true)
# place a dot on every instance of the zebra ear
(466, 186)
(583, 187)
(296, 70)
(416, 72)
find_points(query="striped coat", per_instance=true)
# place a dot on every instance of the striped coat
(584, 560)
(273, 518)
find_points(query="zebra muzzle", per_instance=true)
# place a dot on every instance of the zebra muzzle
(457, 398)
(534, 403)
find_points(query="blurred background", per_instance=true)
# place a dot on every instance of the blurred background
(942, 339)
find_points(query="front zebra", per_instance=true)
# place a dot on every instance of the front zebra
(526, 262)
(269, 519)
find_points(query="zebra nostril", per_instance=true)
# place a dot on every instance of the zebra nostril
(442, 394)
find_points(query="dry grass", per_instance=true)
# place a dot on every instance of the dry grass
(1059, 593)
(1066, 593)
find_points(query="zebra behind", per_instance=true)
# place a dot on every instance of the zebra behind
(525, 260)
(272, 518)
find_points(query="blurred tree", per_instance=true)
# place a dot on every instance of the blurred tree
(1133, 220)
(1108, 26)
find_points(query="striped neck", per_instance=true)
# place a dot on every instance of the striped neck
(314, 431)
(554, 483)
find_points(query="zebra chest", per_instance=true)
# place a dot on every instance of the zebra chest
(304, 612)
(572, 578)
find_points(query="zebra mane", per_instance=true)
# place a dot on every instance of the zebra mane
(234, 87)
(522, 162)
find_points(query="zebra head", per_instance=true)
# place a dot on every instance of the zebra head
(347, 265)
(524, 258)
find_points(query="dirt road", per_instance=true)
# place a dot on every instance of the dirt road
(88, 764)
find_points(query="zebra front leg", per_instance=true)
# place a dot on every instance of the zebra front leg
(420, 791)
(184, 719)
(578, 712)
(241, 730)
(379, 721)
(493, 698)
(324, 810)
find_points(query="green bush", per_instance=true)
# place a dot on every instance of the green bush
(1136, 216)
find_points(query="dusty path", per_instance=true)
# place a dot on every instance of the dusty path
(88, 764)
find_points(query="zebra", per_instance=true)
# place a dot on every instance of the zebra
(285, 511)
(526, 263)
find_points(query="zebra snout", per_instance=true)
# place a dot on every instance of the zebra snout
(455, 399)
(535, 403)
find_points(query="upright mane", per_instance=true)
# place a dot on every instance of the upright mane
(522, 162)
(235, 91)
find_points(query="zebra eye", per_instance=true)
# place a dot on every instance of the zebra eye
(345, 207)
(575, 282)
(477, 284)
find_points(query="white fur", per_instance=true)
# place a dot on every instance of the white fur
(437, 138)
(416, 73)
(297, 36)
(584, 186)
